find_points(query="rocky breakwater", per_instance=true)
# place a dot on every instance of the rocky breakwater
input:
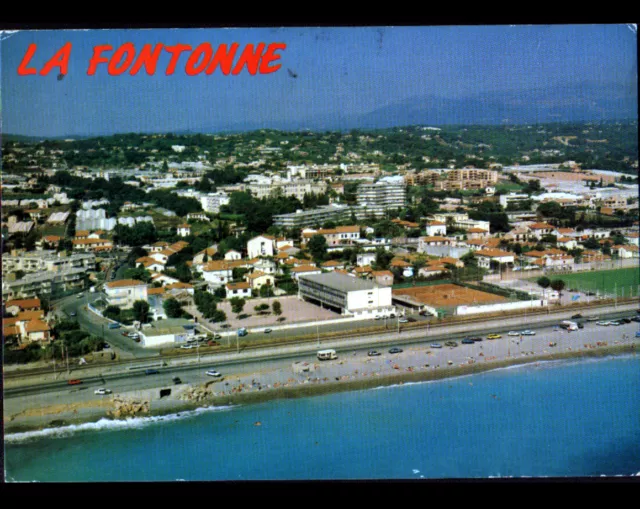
(128, 408)
(197, 393)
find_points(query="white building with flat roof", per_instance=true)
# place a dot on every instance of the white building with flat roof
(346, 294)
(125, 292)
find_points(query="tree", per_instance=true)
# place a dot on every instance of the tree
(173, 308)
(544, 283)
(141, 311)
(383, 259)
(112, 312)
(277, 308)
(318, 247)
(558, 285)
(237, 304)
(266, 291)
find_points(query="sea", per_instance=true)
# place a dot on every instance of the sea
(570, 418)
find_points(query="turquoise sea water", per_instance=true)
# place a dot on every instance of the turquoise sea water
(565, 418)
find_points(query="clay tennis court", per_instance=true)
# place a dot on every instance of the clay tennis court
(448, 295)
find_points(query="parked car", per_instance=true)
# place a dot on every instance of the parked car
(636, 319)
(467, 341)
(435, 345)
(267, 330)
(578, 315)
(494, 336)
(214, 373)
(187, 347)
(528, 332)
(74, 382)
(475, 338)
(452, 344)
(102, 392)
(217, 336)
(133, 335)
(395, 349)
(603, 323)
(411, 319)
(373, 353)
(176, 380)
(403, 320)
(616, 323)
(626, 320)
(513, 333)
(211, 342)
(151, 372)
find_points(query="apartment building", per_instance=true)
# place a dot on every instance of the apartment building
(379, 197)
(467, 178)
(296, 187)
(213, 201)
(312, 217)
(422, 178)
(48, 261)
(340, 235)
(461, 220)
(125, 292)
(44, 284)
(506, 199)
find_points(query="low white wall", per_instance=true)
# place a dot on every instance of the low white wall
(506, 306)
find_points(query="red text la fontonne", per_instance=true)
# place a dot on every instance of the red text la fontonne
(229, 59)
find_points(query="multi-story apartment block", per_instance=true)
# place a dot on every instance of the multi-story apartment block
(43, 284)
(48, 261)
(379, 197)
(213, 201)
(125, 292)
(468, 178)
(317, 216)
(505, 199)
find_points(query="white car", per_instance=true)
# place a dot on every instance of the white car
(604, 324)
(213, 372)
(513, 333)
(102, 392)
(403, 320)
(528, 332)
(187, 347)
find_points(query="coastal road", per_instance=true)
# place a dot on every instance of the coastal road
(19, 399)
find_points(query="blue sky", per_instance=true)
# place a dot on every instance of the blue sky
(342, 72)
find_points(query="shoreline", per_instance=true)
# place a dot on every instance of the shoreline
(94, 410)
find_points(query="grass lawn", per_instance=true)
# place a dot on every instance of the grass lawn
(53, 230)
(622, 280)
(508, 186)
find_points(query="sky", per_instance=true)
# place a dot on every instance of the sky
(341, 72)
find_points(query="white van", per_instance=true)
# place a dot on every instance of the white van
(327, 355)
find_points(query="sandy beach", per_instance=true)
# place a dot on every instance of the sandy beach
(348, 372)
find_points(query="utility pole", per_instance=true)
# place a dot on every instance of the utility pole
(318, 334)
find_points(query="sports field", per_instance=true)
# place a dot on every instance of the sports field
(447, 295)
(624, 281)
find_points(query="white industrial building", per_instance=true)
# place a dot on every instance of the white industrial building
(176, 330)
(346, 294)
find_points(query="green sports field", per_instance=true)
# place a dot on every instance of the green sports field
(624, 281)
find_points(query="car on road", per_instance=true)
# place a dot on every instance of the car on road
(528, 332)
(176, 380)
(616, 323)
(603, 323)
(494, 336)
(578, 315)
(593, 319)
(225, 326)
(395, 349)
(625, 320)
(114, 325)
(435, 345)
(636, 319)
(638, 334)
(151, 372)
(378, 317)
(267, 330)
(373, 353)
(411, 319)
(475, 338)
(467, 341)
(403, 320)
(513, 333)
(74, 382)
(217, 336)
(187, 347)
(214, 373)
(452, 344)
(102, 392)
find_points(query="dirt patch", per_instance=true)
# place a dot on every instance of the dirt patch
(448, 295)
